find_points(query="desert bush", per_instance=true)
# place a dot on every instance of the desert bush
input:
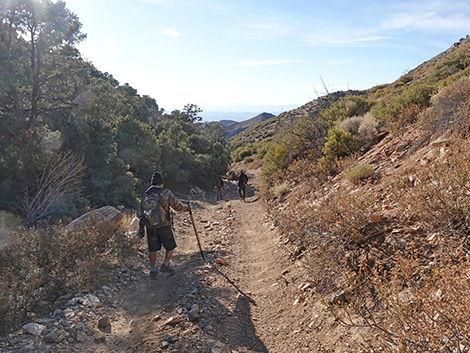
(411, 307)
(344, 108)
(244, 151)
(438, 192)
(339, 144)
(418, 301)
(359, 172)
(363, 128)
(351, 124)
(368, 128)
(395, 111)
(336, 225)
(280, 190)
(450, 108)
(47, 262)
(453, 63)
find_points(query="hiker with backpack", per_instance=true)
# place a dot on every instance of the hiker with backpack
(242, 181)
(156, 217)
(220, 188)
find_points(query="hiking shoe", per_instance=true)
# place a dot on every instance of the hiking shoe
(167, 269)
(153, 274)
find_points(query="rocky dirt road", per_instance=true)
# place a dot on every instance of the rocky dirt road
(248, 295)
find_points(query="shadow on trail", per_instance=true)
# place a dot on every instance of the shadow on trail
(233, 284)
(237, 329)
(225, 316)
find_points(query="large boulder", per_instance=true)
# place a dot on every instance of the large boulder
(106, 216)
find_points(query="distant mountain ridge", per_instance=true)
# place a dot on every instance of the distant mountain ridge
(235, 128)
(272, 125)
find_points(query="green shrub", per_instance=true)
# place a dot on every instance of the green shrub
(393, 110)
(243, 151)
(340, 144)
(359, 173)
(346, 107)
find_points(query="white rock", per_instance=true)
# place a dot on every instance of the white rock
(34, 328)
(91, 301)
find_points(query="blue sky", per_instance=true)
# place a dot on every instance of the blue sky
(228, 55)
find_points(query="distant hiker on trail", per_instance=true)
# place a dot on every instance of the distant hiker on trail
(155, 215)
(220, 188)
(242, 181)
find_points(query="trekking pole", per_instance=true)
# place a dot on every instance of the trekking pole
(195, 231)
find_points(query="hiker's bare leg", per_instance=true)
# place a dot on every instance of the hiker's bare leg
(169, 254)
(152, 258)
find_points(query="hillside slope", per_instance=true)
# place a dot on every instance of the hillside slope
(271, 126)
(237, 127)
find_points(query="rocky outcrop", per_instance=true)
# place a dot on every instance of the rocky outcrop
(106, 216)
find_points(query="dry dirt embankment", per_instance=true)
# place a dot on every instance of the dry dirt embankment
(248, 296)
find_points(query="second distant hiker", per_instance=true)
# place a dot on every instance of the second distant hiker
(220, 188)
(156, 216)
(242, 181)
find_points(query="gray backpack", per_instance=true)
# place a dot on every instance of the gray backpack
(152, 211)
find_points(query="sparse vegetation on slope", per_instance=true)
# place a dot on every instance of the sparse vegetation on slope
(381, 222)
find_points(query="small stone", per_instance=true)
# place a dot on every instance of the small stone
(173, 320)
(81, 336)
(64, 298)
(221, 262)
(104, 321)
(194, 313)
(156, 318)
(376, 217)
(61, 337)
(100, 339)
(52, 336)
(14, 340)
(73, 302)
(44, 321)
(338, 297)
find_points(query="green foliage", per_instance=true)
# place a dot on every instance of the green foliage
(339, 144)
(344, 108)
(454, 63)
(244, 151)
(53, 103)
(393, 110)
(359, 172)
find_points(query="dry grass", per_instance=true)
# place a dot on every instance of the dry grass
(47, 262)
(416, 298)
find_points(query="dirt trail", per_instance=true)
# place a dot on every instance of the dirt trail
(250, 293)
